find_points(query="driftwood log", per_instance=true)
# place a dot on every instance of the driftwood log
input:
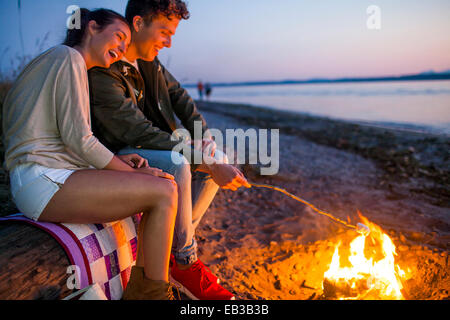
(33, 265)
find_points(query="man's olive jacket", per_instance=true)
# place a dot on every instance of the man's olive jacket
(138, 109)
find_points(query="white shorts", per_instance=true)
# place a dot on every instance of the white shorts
(33, 186)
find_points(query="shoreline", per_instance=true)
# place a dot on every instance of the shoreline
(402, 154)
(418, 128)
(438, 76)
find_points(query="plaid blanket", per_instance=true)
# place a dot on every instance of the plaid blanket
(103, 253)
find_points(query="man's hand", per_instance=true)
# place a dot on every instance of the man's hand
(134, 160)
(207, 146)
(228, 177)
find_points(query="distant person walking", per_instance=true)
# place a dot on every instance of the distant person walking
(208, 90)
(200, 89)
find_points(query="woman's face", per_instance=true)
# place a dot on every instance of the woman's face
(110, 44)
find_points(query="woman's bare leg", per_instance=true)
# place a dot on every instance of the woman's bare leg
(140, 251)
(98, 196)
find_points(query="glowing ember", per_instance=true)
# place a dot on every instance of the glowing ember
(365, 269)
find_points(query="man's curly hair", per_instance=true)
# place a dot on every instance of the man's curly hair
(149, 9)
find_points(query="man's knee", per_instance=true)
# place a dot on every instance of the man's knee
(181, 167)
(178, 159)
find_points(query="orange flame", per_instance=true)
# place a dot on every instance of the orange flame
(370, 271)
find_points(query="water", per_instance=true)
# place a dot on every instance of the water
(412, 105)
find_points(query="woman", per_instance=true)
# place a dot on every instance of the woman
(61, 173)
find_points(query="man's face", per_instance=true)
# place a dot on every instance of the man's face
(150, 39)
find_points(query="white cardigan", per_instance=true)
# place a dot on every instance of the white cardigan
(46, 115)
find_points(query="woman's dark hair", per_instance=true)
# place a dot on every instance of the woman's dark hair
(103, 17)
(148, 9)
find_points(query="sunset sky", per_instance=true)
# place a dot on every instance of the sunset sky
(256, 40)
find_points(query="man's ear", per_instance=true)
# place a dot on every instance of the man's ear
(138, 23)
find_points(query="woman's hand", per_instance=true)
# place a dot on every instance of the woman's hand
(134, 160)
(137, 164)
(155, 172)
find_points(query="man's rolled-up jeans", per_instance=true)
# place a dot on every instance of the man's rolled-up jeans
(195, 193)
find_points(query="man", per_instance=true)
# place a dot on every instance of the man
(134, 105)
(200, 89)
(208, 90)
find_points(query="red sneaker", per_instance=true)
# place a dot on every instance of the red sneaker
(213, 277)
(198, 283)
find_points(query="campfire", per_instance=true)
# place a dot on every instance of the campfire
(364, 267)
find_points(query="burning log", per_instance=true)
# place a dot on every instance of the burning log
(334, 289)
(32, 264)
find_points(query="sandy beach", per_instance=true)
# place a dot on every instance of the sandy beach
(264, 245)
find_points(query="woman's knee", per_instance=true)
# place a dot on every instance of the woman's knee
(167, 196)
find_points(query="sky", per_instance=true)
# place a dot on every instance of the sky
(264, 40)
